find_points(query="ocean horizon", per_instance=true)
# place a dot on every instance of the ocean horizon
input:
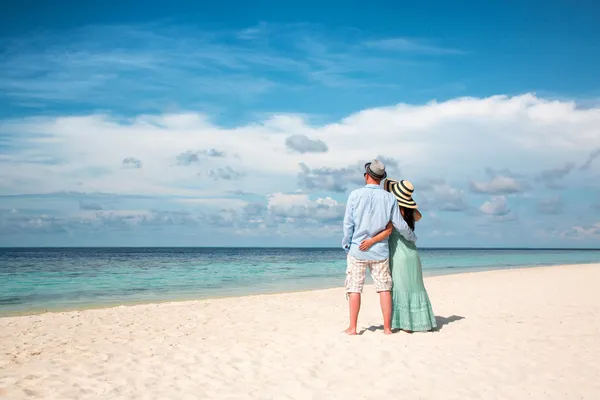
(39, 279)
(293, 247)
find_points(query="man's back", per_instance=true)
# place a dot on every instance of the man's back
(368, 212)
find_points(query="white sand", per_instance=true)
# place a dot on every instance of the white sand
(520, 334)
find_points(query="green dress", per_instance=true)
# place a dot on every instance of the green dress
(411, 308)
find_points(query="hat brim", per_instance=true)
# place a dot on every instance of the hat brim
(388, 184)
(407, 204)
(403, 200)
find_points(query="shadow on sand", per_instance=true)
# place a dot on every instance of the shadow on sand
(441, 322)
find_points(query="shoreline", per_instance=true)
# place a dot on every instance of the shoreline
(194, 299)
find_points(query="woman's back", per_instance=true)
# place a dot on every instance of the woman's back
(405, 263)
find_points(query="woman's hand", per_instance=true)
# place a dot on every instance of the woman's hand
(381, 236)
(366, 244)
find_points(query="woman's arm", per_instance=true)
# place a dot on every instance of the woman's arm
(381, 236)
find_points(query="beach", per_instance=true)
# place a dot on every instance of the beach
(509, 334)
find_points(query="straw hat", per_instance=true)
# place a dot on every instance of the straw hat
(403, 191)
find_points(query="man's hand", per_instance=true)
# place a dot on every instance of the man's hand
(366, 244)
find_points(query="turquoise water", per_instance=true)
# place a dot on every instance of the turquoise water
(39, 279)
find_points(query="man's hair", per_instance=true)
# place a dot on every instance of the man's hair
(373, 179)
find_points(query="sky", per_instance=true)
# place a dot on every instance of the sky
(248, 123)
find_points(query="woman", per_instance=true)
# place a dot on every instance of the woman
(411, 308)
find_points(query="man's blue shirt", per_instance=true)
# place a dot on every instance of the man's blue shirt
(368, 211)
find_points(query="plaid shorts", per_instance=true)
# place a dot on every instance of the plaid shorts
(357, 271)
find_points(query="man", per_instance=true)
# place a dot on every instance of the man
(368, 211)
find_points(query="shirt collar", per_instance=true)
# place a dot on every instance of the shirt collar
(373, 186)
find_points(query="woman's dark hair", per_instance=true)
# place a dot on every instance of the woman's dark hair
(409, 217)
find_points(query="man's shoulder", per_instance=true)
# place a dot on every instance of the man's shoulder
(385, 195)
(370, 191)
(356, 192)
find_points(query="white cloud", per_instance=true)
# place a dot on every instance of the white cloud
(213, 202)
(300, 206)
(496, 206)
(439, 195)
(580, 232)
(498, 185)
(131, 217)
(85, 153)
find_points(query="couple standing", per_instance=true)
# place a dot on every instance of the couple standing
(379, 235)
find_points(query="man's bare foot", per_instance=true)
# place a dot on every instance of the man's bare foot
(350, 331)
(387, 331)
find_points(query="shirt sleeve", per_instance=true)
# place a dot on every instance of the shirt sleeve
(401, 225)
(348, 224)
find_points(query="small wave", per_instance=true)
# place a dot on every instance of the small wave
(11, 300)
(135, 290)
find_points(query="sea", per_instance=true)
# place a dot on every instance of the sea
(36, 280)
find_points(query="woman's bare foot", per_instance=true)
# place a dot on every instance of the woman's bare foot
(387, 332)
(350, 331)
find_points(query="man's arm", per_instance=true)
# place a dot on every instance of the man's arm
(348, 225)
(401, 225)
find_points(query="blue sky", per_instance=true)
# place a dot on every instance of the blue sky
(129, 123)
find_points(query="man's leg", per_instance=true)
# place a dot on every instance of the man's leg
(380, 271)
(355, 279)
(354, 304)
(385, 298)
